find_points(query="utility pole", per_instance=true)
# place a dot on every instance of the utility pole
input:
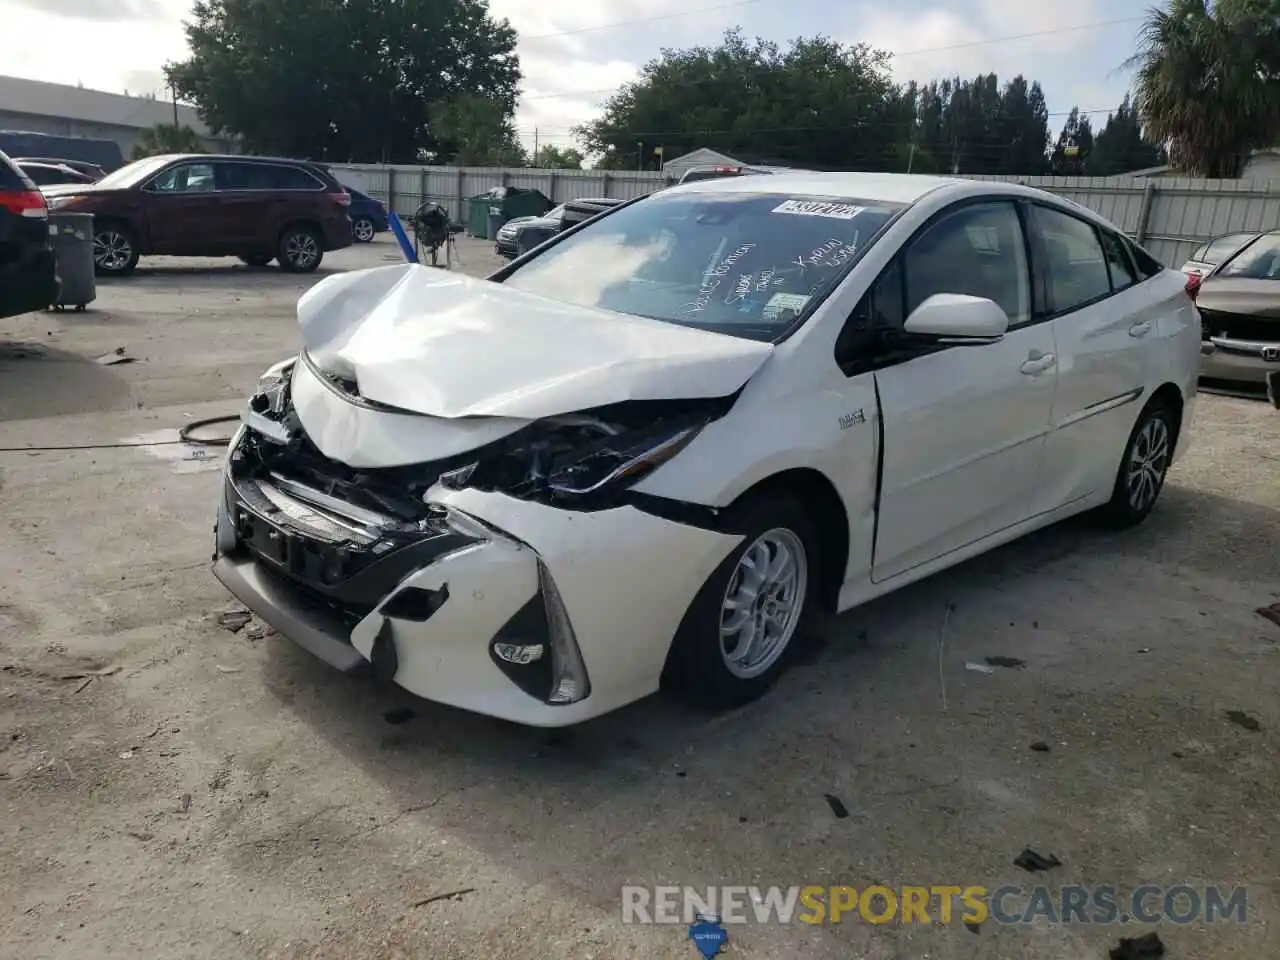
(173, 95)
(639, 156)
(535, 144)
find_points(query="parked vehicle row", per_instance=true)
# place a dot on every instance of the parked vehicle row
(28, 272)
(521, 234)
(256, 208)
(649, 451)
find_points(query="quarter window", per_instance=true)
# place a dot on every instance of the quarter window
(185, 178)
(1074, 260)
(976, 250)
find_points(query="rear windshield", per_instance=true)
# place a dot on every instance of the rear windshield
(11, 178)
(745, 264)
(1258, 261)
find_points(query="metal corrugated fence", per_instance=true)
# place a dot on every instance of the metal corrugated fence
(1169, 216)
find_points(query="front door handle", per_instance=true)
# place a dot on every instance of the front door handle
(1140, 329)
(1035, 366)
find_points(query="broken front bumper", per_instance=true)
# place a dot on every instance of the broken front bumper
(502, 606)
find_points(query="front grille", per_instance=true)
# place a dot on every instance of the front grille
(1214, 323)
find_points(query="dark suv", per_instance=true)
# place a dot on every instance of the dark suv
(254, 208)
(28, 276)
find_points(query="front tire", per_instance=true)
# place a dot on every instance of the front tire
(745, 623)
(115, 250)
(300, 249)
(362, 230)
(1143, 467)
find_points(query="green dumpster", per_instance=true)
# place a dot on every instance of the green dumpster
(509, 201)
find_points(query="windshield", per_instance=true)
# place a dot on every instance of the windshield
(133, 173)
(1260, 260)
(745, 264)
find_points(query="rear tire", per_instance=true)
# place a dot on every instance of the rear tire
(256, 260)
(115, 250)
(765, 591)
(300, 249)
(362, 230)
(1143, 466)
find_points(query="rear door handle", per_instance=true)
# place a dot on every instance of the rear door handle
(1038, 365)
(1140, 329)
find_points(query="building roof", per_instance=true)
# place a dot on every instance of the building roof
(703, 156)
(38, 99)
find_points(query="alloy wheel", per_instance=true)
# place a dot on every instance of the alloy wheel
(301, 250)
(1148, 461)
(112, 250)
(363, 230)
(763, 603)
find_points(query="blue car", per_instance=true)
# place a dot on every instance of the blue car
(368, 216)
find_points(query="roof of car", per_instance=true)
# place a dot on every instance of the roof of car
(889, 187)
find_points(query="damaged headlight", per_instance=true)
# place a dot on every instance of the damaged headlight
(618, 463)
(579, 458)
(271, 394)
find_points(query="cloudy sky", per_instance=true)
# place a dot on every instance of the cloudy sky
(574, 56)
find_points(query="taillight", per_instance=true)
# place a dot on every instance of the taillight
(342, 198)
(25, 203)
(1193, 286)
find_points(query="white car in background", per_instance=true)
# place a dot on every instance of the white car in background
(650, 452)
(1208, 255)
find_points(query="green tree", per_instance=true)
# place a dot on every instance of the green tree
(1070, 156)
(550, 157)
(343, 79)
(817, 103)
(475, 131)
(1119, 147)
(1208, 81)
(977, 127)
(167, 138)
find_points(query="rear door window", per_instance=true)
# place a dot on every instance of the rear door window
(1123, 272)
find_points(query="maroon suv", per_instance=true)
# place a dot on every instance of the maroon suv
(254, 208)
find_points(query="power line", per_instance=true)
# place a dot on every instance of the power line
(628, 23)
(847, 127)
(906, 53)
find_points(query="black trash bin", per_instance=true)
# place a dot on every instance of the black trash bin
(71, 235)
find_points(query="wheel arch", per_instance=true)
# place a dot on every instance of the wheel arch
(138, 233)
(820, 500)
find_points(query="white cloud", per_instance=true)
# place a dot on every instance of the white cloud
(935, 43)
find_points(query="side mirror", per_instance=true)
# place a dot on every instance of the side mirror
(957, 318)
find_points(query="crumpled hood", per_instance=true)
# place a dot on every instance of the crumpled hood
(447, 345)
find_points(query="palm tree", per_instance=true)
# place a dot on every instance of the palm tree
(1208, 81)
(167, 138)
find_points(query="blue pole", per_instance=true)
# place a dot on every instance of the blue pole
(406, 247)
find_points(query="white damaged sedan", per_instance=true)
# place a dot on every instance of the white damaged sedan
(647, 452)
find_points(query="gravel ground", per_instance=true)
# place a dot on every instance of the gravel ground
(215, 795)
